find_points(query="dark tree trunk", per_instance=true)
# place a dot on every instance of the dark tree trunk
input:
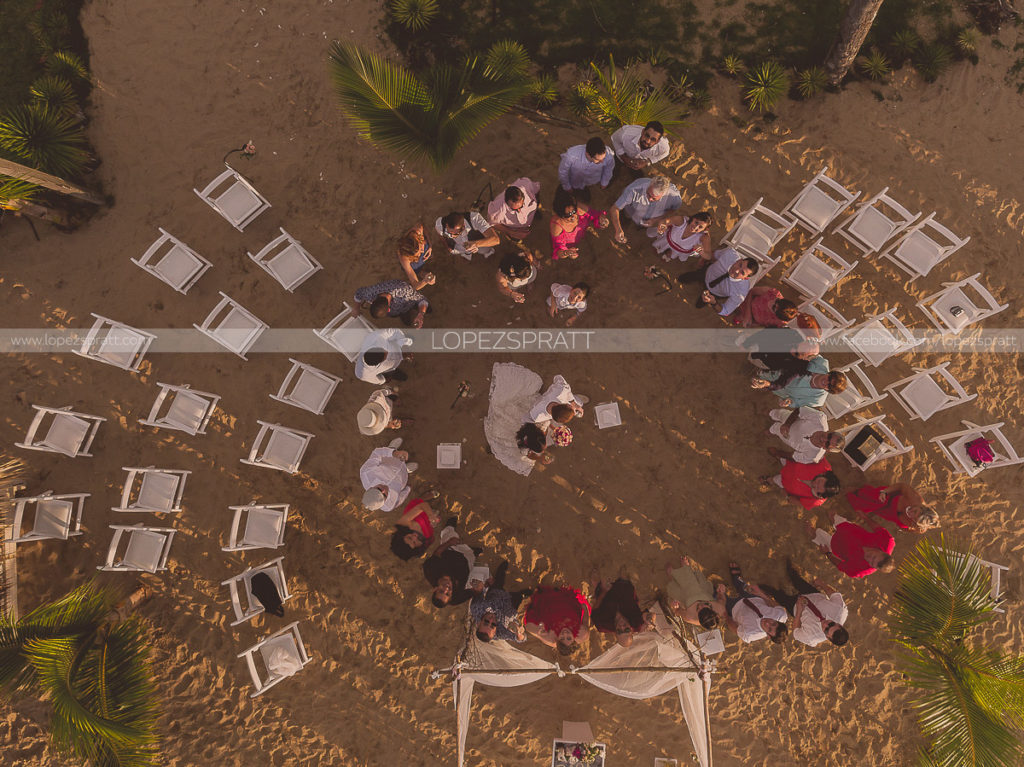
(854, 28)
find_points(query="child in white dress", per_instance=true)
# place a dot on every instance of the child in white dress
(568, 297)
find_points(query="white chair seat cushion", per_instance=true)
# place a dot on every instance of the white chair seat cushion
(53, 518)
(120, 345)
(236, 329)
(919, 251)
(311, 389)
(290, 265)
(263, 528)
(238, 202)
(925, 396)
(187, 410)
(67, 432)
(956, 297)
(813, 274)
(816, 207)
(755, 236)
(144, 549)
(283, 449)
(157, 491)
(875, 342)
(177, 265)
(872, 227)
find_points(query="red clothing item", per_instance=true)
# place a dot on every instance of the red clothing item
(557, 609)
(795, 477)
(422, 520)
(566, 240)
(849, 542)
(867, 499)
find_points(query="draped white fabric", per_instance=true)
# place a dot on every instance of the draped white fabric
(494, 655)
(693, 696)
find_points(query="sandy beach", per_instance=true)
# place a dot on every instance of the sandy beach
(178, 85)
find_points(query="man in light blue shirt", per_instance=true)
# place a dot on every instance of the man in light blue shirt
(726, 281)
(645, 201)
(586, 164)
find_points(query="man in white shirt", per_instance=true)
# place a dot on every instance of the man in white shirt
(547, 409)
(805, 430)
(726, 280)
(754, 615)
(467, 233)
(513, 211)
(638, 147)
(380, 355)
(385, 477)
(646, 201)
(818, 610)
(585, 165)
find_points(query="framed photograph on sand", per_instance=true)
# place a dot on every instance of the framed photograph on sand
(607, 415)
(449, 455)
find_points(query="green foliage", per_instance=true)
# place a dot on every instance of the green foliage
(545, 90)
(733, 65)
(507, 60)
(50, 30)
(932, 60)
(875, 65)
(812, 81)
(766, 85)
(56, 93)
(904, 44)
(967, 40)
(615, 98)
(428, 117)
(970, 700)
(67, 65)
(93, 672)
(414, 14)
(701, 100)
(16, 189)
(582, 96)
(44, 139)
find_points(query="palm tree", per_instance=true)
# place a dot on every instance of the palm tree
(970, 698)
(853, 29)
(614, 99)
(47, 140)
(92, 667)
(429, 117)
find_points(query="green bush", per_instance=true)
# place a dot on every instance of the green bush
(733, 65)
(414, 14)
(545, 90)
(812, 81)
(932, 60)
(56, 93)
(44, 139)
(766, 85)
(875, 65)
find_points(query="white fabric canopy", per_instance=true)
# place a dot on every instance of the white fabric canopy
(516, 668)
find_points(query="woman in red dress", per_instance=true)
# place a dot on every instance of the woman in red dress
(569, 222)
(900, 504)
(559, 617)
(414, 530)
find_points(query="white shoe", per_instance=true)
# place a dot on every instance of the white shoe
(395, 443)
(582, 399)
(411, 467)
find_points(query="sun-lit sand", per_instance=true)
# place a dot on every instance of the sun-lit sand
(178, 85)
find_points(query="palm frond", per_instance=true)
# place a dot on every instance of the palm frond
(625, 98)
(45, 139)
(943, 594)
(545, 90)
(56, 93)
(67, 65)
(506, 60)
(766, 85)
(414, 14)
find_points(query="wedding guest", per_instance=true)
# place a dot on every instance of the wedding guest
(466, 234)
(684, 237)
(380, 355)
(513, 211)
(818, 610)
(393, 298)
(584, 165)
(385, 477)
(616, 610)
(413, 253)
(516, 271)
(726, 280)
(856, 551)
(692, 596)
(559, 617)
(638, 147)
(646, 201)
(447, 568)
(414, 530)
(569, 223)
(810, 484)
(900, 504)
(754, 615)
(805, 431)
(572, 299)
(376, 415)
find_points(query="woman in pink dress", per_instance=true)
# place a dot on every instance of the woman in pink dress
(900, 504)
(569, 222)
(765, 307)
(559, 617)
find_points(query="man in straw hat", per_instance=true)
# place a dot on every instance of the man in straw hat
(385, 477)
(375, 416)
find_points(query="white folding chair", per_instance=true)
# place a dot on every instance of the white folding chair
(952, 309)
(286, 261)
(278, 447)
(68, 432)
(53, 517)
(817, 270)
(346, 332)
(173, 262)
(880, 337)
(819, 203)
(232, 326)
(186, 410)
(307, 387)
(264, 527)
(830, 320)
(875, 222)
(995, 573)
(923, 246)
(871, 450)
(922, 396)
(954, 447)
(757, 232)
(252, 606)
(158, 490)
(147, 549)
(858, 394)
(234, 198)
(115, 343)
(281, 654)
